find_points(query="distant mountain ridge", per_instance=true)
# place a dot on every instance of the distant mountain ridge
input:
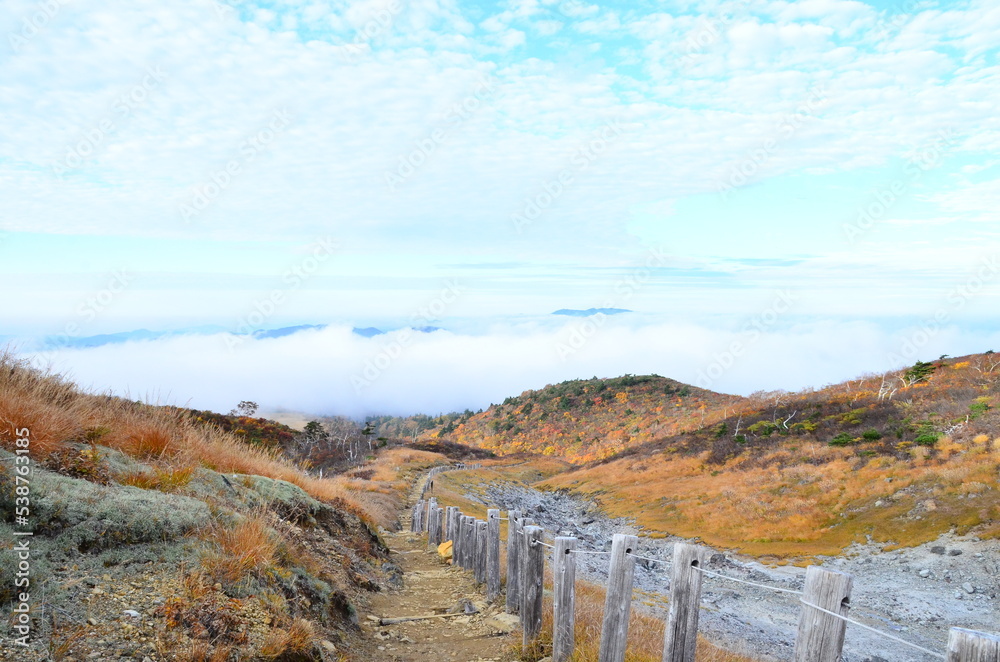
(573, 312)
(139, 335)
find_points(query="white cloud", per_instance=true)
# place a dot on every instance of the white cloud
(319, 372)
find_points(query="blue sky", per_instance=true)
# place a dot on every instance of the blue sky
(541, 154)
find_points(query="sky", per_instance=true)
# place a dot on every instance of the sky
(786, 194)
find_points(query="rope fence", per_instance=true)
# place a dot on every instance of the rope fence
(876, 631)
(749, 583)
(476, 544)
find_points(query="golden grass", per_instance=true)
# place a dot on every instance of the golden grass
(58, 413)
(799, 500)
(164, 479)
(237, 551)
(298, 639)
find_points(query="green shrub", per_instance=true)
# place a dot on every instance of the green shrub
(927, 439)
(979, 408)
(920, 371)
(871, 434)
(842, 439)
(762, 428)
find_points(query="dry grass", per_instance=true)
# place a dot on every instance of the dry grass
(801, 499)
(58, 413)
(237, 551)
(298, 639)
(165, 479)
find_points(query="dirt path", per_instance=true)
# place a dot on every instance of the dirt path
(431, 586)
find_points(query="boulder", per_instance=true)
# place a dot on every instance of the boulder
(445, 551)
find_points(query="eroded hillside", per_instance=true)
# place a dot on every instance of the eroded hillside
(151, 534)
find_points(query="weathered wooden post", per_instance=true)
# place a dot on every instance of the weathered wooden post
(492, 554)
(971, 646)
(420, 516)
(436, 518)
(430, 528)
(681, 636)
(456, 549)
(431, 505)
(469, 544)
(513, 599)
(563, 599)
(481, 526)
(453, 524)
(532, 574)
(821, 636)
(618, 603)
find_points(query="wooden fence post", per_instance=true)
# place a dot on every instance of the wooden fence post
(971, 646)
(618, 604)
(457, 550)
(420, 516)
(492, 554)
(431, 505)
(513, 599)
(821, 636)
(453, 524)
(681, 636)
(434, 539)
(563, 599)
(532, 574)
(480, 565)
(469, 557)
(430, 527)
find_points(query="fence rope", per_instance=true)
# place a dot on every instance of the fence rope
(871, 629)
(539, 542)
(584, 551)
(646, 558)
(743, 581)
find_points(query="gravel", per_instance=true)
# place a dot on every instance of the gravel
(916, 593)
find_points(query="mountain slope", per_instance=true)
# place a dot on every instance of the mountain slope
(591, 419)
(898, 458)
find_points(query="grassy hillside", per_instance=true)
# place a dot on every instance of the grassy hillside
(586, 420)
(220, 546)
(899, 458)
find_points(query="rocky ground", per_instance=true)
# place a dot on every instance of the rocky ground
(916, 594)
(476, 633)
(464, 627)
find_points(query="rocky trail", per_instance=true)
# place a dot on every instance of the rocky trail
(477, 633)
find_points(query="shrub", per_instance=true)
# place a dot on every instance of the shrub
(842, 439)
(920, 371)
(871, 434)
(978, 408)
(927, 439)
(762, 428)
